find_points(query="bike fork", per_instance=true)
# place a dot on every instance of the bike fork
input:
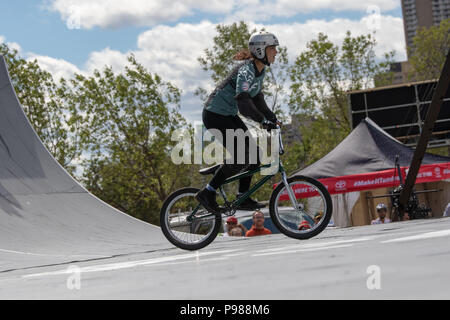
(289, 191)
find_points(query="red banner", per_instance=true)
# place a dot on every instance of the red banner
(374, 180)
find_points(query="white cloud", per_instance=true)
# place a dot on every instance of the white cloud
(295, 36)
(283, 6)
(173, 51)
(59, 68)
(117, 13)
(11, 45)
(111, 58)
(288, 8)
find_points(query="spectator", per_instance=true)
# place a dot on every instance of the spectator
(318, 216)
(232, 223)
(236, 232)
(258, 225)
(305, 225)
(381, 210)
(447, 211)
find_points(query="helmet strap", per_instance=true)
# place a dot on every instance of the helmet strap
(264, 60)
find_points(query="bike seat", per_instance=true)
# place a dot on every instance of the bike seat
(210, 170)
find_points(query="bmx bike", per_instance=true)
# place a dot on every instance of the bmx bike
(295, 201)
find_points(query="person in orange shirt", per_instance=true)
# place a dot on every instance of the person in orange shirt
(258, 225)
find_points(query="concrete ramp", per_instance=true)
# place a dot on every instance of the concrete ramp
(47, 217)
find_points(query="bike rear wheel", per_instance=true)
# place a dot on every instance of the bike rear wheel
(308, 215)
(184, 229)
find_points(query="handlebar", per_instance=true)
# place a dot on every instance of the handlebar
(280, 140)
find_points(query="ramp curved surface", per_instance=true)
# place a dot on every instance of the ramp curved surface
(46, 216)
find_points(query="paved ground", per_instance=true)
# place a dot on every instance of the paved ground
(398, 260)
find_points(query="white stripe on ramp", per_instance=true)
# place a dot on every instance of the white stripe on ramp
(428, 235)
(49, 255)
(313, 245)
(302, 250)
(129, 264)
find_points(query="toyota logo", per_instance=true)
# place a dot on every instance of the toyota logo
(437, 171)
(341, 184)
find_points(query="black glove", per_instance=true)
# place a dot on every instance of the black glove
(269, 125)
(274, 120)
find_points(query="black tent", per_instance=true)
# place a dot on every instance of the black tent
(366, 149)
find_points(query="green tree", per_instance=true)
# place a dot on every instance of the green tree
(429, 49)
(321, 77)
(129, 119)
(40, 98)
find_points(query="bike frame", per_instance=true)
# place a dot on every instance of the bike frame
(233, 205)
(253, 189)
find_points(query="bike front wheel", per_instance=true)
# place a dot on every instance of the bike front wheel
(303, 213)
(186, 223)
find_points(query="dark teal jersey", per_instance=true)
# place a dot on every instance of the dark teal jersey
(243, 78)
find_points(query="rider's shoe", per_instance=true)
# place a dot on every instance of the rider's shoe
(250, 204)
(207, 199)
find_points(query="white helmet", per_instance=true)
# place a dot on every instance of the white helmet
(381, 206)
(258, 43)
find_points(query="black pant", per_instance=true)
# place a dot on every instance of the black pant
(213, 120)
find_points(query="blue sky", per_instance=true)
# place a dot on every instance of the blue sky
(43, 32)
(167, 37)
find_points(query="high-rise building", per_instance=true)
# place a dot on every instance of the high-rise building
(418, 14)
(423, 13)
